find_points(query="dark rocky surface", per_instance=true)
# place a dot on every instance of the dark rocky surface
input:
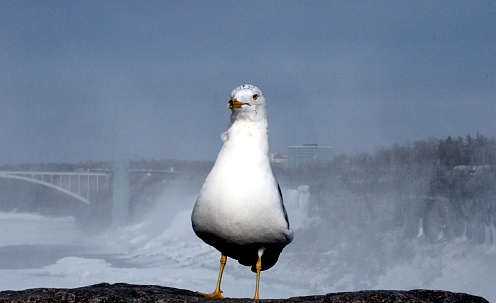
(128, 293)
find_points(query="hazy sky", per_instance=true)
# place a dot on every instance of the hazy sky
(100, 80)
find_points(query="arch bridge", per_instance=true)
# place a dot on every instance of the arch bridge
(84, 185)
(79, 185)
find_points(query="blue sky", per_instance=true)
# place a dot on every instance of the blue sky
(100, 80)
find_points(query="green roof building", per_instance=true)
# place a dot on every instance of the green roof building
(308, 154)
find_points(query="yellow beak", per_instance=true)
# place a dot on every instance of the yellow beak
(234, 103)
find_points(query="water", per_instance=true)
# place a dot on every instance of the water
(35, 256)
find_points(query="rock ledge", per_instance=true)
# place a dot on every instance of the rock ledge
(129, 293)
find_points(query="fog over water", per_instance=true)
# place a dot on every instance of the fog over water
(336, 248)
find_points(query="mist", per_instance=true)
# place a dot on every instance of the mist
(418, 215)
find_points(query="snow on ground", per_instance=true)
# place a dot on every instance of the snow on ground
(162, 249)
(455, 267)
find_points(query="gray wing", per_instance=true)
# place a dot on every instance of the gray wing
(282, 205)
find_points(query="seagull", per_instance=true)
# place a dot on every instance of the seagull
(239, 210)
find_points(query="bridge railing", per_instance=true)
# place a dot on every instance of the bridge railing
(81, 184)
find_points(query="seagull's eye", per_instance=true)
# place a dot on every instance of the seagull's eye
(255, 97)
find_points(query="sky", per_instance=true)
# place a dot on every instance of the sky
(104, 80)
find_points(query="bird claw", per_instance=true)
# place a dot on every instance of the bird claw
(215, 294)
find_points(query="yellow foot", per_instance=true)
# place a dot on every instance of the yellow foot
(215, 294)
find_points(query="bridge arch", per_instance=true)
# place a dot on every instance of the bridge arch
(61, 189)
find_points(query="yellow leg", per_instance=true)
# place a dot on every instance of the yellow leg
(259, 268)
(217, 292)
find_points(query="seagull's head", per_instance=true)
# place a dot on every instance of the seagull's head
(247, 100)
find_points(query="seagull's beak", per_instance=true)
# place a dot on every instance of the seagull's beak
(234, 103)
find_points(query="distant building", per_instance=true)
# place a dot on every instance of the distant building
(308, 154)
